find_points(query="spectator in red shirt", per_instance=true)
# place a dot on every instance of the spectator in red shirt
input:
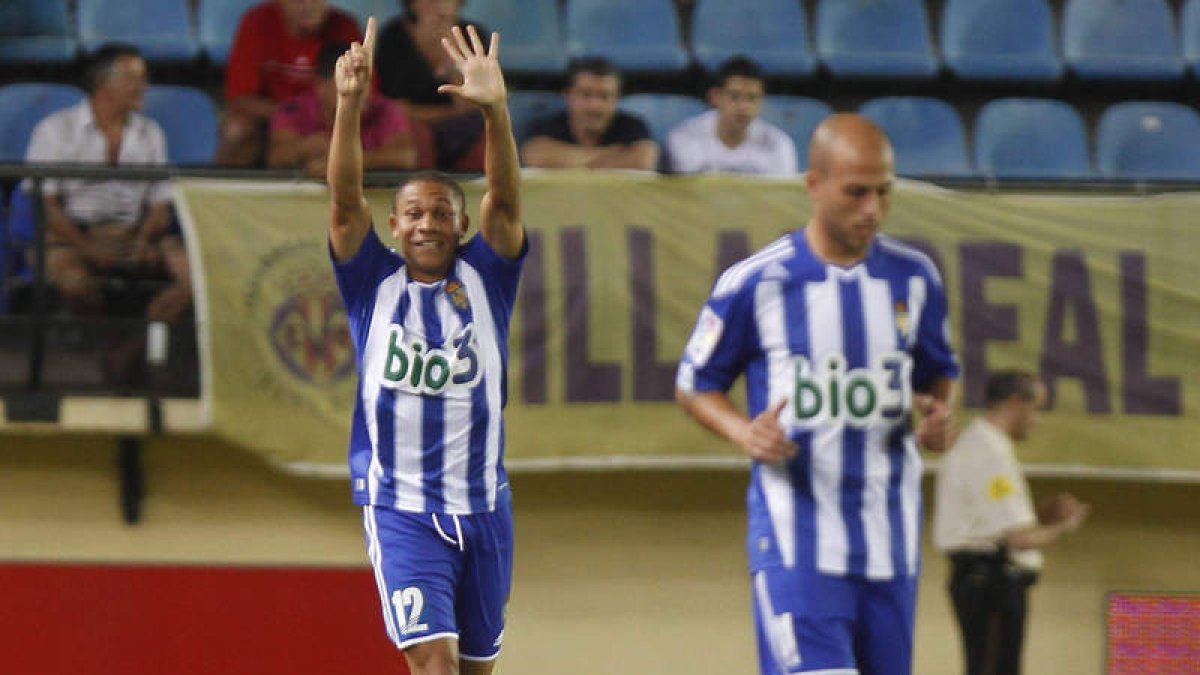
(302, 126)
(271, 61)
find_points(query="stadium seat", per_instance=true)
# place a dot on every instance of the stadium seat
(638, 36)
(36, 31)
(1148, 140)
(526, 106)
(1189, 35)
(798, 116)
(189, 120)
(1121, 40)
(772, 32)
(1000, 40)
(531, 32)
(1031, 138)
(22, 106)
(875, 39)
(662, 112)
(927, 134)
(361, 10)
(217, 23)
(161, 29)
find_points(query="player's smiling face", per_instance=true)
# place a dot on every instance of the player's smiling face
(428, 222)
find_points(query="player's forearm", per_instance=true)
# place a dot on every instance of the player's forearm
(715, 412)
(345, 170)
(502, 164)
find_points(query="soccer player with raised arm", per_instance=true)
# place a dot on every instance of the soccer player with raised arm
(841, 332)
(430, 326)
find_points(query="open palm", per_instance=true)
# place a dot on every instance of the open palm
(483, 82)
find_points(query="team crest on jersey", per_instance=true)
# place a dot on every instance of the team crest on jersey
(458, 295)
(705, 337)
(902, 318)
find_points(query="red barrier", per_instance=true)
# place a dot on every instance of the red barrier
(185, 620)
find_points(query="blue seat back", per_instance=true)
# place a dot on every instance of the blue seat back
(1189, 34)
(161, 29)
(527, 106)
(636, 35)
(188, 119)
(927, 134)
(1149, 140)
(1031, 138)
(875, 38)
(662, 112)
(22, 106)
(1000, 39)
(33, 31)
(531, 33)
(217, 22)
(798, 116)
(1121, 40)
(772, 32)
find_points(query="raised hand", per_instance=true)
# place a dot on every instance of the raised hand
(483, 82)
(352, 75)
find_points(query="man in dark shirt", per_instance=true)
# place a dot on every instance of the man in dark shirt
(591, 133)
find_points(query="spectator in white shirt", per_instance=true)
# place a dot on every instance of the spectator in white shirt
(731, 138)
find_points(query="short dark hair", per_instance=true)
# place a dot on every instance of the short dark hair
(102, 60)
(431, 176)
(328, 57)
(592, 65)
(1003, 385)
(738, 65)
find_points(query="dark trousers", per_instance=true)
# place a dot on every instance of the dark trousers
(990, 601)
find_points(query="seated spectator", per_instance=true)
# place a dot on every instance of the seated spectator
(118, 229)
(302, 126)
(731, 138)
(411, 64)
(271, 61)
(591, 133)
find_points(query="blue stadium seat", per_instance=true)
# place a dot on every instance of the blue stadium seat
(217, 23)
(189, 120)
(1000, 40)
(1121, 40)
(1189, 35)
(361, 10)
(662, 112)
(161, 29)
(772, 32)
(531, 33)
(22, 106)
(526, 106)
(1031, 138)
(639, 36)
(875, 39)
(798, 116)
(1149, 140)
(927, 134)
(36, 31)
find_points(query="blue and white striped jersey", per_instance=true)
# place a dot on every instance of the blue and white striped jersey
(428, 429)
(847, 348)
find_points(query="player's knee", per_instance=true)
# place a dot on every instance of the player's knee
(437, 657)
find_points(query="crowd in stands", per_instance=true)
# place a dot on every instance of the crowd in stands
(274, 104)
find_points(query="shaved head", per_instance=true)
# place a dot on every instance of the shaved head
(847, 135)
(849, 179)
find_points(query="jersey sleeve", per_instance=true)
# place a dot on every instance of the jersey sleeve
(502, 275)
(358, 277)
(720, 345)
(933, 356)
(998, 496)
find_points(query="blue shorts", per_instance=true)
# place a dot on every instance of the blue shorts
(809, 622)
(443, 575)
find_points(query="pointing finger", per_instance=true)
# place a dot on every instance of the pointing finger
(368, 43)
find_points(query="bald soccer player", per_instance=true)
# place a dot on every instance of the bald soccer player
(841, 333)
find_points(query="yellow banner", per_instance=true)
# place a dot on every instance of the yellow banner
(1097, 293)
